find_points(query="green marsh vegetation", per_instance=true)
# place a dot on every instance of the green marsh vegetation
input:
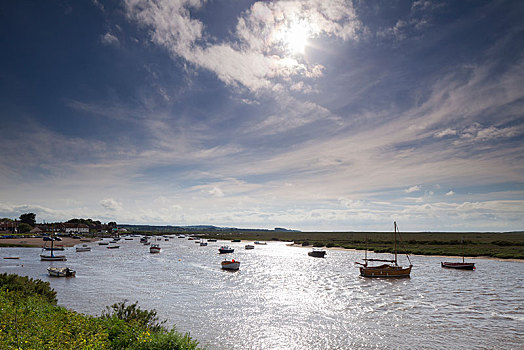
(504, 245)
(30, 319)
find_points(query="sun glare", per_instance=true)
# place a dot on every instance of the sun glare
(295, 37)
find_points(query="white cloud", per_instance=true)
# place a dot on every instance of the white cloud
(216, 191)
(415, 188)
(111, 204)
(450, 193)
(109, 39)
(258, 58)
(444, 133)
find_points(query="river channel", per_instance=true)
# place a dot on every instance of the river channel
(282, 298)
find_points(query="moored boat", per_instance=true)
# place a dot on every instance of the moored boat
(113, 247)
(458, 266)
(317, 253)
(61, 272)
(249, 246)
(155, 248)
(52, 256)
(230, 264)
(235, 240)
(203, 243)
(83, 248)
(225, 249)
(57, 247)
(211, 240)
(261, 243)
(389, 270)
(103, 243)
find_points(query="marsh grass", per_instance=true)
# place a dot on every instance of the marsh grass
(506, 245)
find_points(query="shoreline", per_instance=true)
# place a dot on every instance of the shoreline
(71, 242)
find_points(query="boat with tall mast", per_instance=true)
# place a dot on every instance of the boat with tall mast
(52, 256)
(459, 265)
(390, 269)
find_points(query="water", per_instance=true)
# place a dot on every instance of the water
(282, 298)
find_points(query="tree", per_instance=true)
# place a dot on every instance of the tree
(23, 227)
(29, 218)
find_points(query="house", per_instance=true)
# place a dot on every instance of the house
(74, 228)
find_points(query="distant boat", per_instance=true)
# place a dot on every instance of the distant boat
(83, 248)
(113, 247)
(12, 257)
(225, 249)
(155, 248)
(203, 243)
(61, 272)
(459, 265)
(230, 264)
(103, 243)
(211, 240)
(235, 240)
(57, 247)
(317, 253)
(389, 270)
(249, 246)
(143, 239)
(52, 256)
(261, 243)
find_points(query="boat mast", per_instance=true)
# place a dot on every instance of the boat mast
(395, 246)
(463, 249)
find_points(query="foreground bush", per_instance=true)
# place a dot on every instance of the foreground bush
(30, 320)
(27, 286)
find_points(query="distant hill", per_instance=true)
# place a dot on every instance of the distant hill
(196, 228)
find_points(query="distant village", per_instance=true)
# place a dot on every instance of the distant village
(26, 224)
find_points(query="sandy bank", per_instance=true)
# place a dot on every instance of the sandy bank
(39, 242)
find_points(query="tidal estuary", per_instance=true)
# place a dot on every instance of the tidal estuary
(282, 298)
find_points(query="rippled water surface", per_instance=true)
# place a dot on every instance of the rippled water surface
(282, 298)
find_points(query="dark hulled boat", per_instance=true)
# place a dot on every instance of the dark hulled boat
(389, 270)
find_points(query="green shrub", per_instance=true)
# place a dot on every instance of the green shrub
(27, 286)
(133, 314)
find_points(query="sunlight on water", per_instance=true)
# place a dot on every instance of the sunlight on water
(282, 298)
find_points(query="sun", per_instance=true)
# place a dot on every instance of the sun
(295, 37)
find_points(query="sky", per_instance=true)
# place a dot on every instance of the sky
(310, 115)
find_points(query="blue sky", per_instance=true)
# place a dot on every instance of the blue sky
(311, 115)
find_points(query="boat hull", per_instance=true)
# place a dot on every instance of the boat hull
(61, 272)
(458, 266)
(225, 250)
(317, 254)
(53, 258)
(83, 249)
(249, 246)
(153, 250)
(385, 271)
(230, 265)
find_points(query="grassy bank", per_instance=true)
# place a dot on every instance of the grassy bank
(507, 245)
(30, 319)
